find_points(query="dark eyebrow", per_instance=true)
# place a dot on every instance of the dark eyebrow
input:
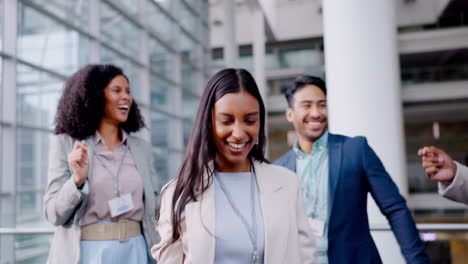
(225, 114)
(252, 114)
(249, 114)
(312, 101)
(118, 86)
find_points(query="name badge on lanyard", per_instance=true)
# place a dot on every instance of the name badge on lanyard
(120, 205)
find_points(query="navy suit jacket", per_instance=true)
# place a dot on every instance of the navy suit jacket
(355, 170)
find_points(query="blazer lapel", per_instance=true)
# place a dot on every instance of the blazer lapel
(274, 220)
(90, 157)
(139, 155)
(334, 156)
(201, 215)
(90, 162)
(136, 155)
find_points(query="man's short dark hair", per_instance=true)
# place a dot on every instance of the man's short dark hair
(300, 82)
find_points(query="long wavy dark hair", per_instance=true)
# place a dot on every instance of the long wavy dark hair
(81, 106)
(201, 149)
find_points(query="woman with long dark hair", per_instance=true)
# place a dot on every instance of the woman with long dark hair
(228, 204)
(99, 195)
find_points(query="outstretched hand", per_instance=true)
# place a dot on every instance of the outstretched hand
(438, 165)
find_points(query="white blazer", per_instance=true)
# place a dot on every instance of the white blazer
(457, 190)
(288, 237)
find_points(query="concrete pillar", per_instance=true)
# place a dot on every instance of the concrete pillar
(259, 53)
(231, 51)
(362, 73)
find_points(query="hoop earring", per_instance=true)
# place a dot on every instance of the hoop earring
(256, 141)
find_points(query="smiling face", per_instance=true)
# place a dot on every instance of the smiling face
(118, 101)
(236, 125)
(309, 113)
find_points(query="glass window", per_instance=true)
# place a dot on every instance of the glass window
(160, 57)
(158, 21)
(166, 4)
(205, 35)
(75, 12)
(31, 181)
(278, 86)
(118, 31)
(44, 42)
(187, 131)
(189, 105)
(194, 4)
(299, 58)
(188, 19)
(271, 60)
(37, 96)
(52, 43)
(28, 248)
(429, 67)
(246, 62)
(159, 129)
(130, 6)
(161, 164)
(130, 69)
(189, 78)
(159, 90)
(204, 10)
(1, 24)
(167, 164)
(188, 49)
(208, 59)
(175, 161)
(1, 74)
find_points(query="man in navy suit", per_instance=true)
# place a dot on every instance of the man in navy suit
(337, 172)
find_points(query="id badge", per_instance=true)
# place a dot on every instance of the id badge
(120, 205)
(317, 226)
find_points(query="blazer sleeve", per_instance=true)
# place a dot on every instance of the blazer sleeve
(167, 251)
(62, 196)
(458, 190)
(307, 245)
(393, 206)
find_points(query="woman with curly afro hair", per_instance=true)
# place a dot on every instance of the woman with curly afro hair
(99, 194)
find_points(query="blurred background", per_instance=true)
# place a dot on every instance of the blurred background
(397, 72)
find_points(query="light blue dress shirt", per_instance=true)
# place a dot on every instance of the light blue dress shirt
(313, 171)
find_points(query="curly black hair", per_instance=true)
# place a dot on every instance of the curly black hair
(81, 106)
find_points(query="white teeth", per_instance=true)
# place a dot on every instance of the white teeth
(237, 146)
(123, 107)
(314, 123)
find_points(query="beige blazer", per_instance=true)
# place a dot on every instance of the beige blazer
(458, 190)
(64, 204)
(288, 238)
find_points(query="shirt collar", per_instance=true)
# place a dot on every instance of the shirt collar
(98, 138)
(320, 144)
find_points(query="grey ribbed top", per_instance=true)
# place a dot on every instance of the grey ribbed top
(233, 244)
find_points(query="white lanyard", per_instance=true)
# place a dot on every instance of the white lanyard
(115, 176)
